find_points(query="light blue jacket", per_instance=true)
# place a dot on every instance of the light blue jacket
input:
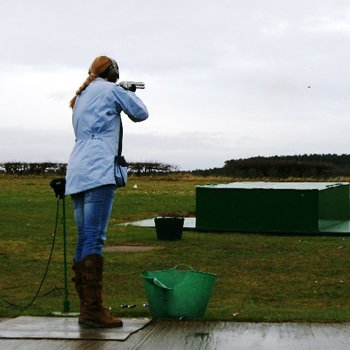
(96, 123)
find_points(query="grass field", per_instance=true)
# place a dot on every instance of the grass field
(260, 277)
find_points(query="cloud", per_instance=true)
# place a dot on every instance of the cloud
(19, 144)
(188, 150)
(224, 79)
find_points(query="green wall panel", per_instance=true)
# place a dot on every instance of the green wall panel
(275, 207)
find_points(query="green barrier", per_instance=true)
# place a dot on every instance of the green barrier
(178, 293)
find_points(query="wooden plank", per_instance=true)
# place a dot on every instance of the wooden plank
(193, 335)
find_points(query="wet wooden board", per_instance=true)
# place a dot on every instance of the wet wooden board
(187, 335)
(202, 335)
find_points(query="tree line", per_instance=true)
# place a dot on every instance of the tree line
(137, 168)
(300, 166)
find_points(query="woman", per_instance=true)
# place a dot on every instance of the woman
(90, 178)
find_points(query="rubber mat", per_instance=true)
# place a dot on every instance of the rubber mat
(26, 327)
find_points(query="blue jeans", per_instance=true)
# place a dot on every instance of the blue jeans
(92, 210)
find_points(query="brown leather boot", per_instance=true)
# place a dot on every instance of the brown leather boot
(92, 311)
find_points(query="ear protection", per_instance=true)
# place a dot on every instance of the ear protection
(113, 72)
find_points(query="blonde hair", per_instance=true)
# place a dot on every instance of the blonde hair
(98, 66)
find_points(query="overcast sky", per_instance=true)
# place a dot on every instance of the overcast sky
(224, 78)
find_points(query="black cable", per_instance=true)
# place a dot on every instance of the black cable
(49, 261)
(47, 266)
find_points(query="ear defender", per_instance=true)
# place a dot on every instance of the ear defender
(113, 73)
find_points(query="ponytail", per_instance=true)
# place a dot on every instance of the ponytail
(98, 66)
(86, 83)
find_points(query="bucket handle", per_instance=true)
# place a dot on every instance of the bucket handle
(186, 265)
(159, 284)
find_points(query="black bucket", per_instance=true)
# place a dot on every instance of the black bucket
(169, 228)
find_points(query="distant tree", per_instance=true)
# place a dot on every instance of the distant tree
(151, 168)
(304, 165)
(138, 168)
(22, 168)
(279, 168)
(208, 172)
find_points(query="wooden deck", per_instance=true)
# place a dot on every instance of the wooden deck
(201, 335)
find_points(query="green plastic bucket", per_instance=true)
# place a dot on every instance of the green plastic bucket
(178, 293)
(169, 228)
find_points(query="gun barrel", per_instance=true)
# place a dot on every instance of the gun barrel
(138, 84)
